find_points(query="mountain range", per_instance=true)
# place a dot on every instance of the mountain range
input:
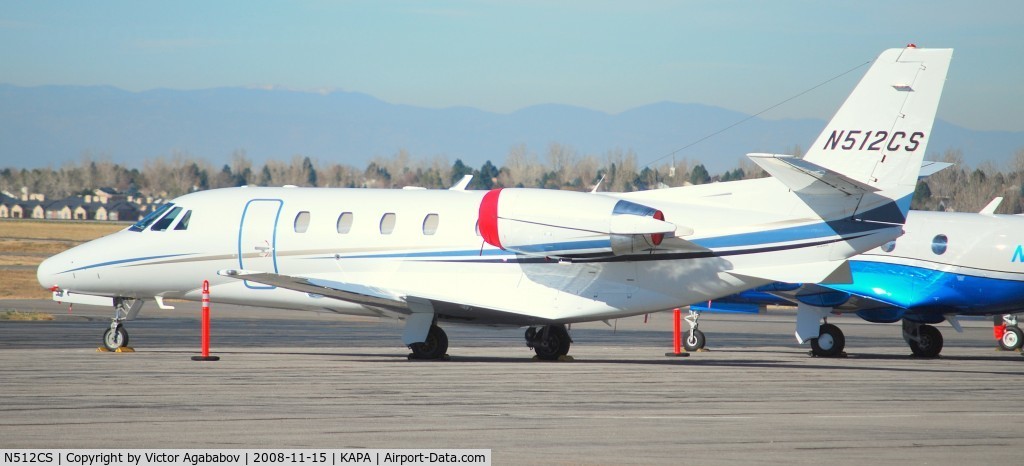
(49, 125)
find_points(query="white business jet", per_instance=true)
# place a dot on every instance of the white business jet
(531, 258)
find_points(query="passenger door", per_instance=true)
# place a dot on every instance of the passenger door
(257, 237)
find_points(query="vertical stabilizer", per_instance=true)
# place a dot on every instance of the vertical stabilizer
(879, 136)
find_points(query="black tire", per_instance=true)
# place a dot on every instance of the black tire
(830, 342)
(556, 345)
(435, 347)
(115, 338)
(1012, 338)
(929, 343)
(695, 342)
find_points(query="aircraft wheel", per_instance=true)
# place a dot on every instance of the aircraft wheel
(830, 341)
(928, 343)
(115, 338)
(555, 344)
(694, 342)
(1012, 339)
(434, 347)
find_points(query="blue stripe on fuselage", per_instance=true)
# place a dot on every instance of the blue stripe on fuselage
(814, 232)
(124, 261)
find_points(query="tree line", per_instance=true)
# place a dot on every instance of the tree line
(957, 188)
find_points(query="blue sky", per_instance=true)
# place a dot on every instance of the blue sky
(503, 56)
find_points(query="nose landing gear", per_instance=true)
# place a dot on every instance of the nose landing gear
(115, 338)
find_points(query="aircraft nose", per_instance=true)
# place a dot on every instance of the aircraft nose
(47, 272)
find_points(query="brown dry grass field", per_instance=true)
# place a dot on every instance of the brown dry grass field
(25, 243)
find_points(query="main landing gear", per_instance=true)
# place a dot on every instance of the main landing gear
(116, 337)
(1012, 338)
(830, 342)
(925, 341)
(550, 343)
(435, 347)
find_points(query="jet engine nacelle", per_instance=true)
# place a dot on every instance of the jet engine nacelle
(568, 223)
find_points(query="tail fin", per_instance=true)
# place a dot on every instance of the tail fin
(879, 136)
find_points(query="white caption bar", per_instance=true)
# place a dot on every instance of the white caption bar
(198, 457)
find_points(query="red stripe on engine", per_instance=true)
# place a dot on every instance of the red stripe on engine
(488, 219)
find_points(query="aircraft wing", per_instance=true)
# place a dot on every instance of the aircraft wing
(380, 298)
(867, 307)
(351, 292)
(817, 272)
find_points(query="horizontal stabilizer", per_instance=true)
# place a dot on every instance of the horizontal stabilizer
(929, 168)
(351, 292)
(807, 178)
(818, 272)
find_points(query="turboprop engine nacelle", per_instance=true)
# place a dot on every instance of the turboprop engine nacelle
(567, 223)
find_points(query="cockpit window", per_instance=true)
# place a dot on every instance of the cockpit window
(166, 220)
(147, 220)
(183, 224)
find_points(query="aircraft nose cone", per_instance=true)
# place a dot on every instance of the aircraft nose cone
(47, 272)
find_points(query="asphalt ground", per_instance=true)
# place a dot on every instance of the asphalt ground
(292, 379)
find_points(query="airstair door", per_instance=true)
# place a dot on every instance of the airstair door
(257, 238)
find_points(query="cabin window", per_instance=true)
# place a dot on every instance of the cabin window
(344, 223)
(888, 247)
(165, 222)
(301, 222)
(430, 224)
(183, 224)
(148, 219)
(939, 243)
(387, 223)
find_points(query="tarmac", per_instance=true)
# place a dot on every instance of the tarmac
(290, 379)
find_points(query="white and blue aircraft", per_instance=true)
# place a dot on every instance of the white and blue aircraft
(531, 258)
(946, 265)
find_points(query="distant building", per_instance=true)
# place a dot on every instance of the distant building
(123, 211)
(12, 207)
(103, 204)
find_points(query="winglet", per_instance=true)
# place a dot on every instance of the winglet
(991, 207)
(461, 185)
